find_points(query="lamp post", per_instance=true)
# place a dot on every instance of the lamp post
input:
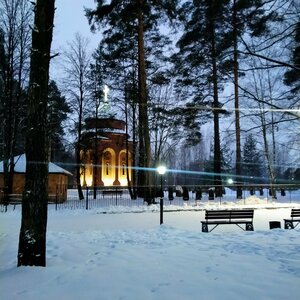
(161, 170)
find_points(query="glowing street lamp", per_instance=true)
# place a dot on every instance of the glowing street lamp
(161, 170)
(230, 181)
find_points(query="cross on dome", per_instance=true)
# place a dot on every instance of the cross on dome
(105, 91)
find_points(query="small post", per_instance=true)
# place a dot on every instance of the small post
(116, 196)
(161, 211)
(87, 198)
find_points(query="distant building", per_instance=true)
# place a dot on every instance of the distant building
(57, 179)
(107, 153)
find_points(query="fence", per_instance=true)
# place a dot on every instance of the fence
(103, 197)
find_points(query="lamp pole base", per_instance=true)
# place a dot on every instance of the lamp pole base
(161, 204)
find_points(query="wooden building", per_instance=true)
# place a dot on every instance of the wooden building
(107, 153)
(57, 179)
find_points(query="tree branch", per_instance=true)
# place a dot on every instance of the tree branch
(275, 61)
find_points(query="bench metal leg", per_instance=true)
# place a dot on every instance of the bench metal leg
(249, 227)
(288, 224)
(204, 227)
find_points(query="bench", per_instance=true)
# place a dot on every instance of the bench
(222, 217)
(112, 192)
(295, 218)
(16, 199)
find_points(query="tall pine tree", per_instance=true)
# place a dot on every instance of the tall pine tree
(200, 61)
(138, 18)
(292, 77)
(246, 15)
(251, 160)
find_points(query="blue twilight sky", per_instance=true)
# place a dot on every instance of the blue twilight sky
(69, 19)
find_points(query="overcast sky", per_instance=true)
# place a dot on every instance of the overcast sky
(69, 19)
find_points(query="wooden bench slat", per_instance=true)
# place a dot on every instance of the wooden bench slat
(229, 217)
(295, 213)
(221, 217)
(229, 213)
(228, 222)
(225, 214)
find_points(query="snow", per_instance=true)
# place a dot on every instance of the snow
(123, 254)
(20, 166)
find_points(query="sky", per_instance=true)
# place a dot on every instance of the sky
(69, 19)
(129, 256)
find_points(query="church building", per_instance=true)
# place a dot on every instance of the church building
(106, 153)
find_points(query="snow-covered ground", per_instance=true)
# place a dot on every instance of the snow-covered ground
(125, 254)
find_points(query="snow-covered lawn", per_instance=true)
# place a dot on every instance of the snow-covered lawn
(91, 255)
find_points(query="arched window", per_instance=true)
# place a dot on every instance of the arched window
(124, 168)
(108, 167)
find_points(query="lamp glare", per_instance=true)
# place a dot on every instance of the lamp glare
(161, 170)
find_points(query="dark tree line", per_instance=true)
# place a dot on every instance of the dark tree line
(15, 45)
(208, 57)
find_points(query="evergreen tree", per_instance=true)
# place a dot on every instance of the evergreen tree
(2, 91)
(251, 162)
(58, 110)
(292, 77)
(225, 163)
(245, 15)
(139, 19)
(200, 62)
(226, 159)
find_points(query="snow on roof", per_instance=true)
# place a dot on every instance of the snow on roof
(20, 166)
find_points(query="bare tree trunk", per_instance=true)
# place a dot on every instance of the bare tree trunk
(217, 146)
(16, 16)
(267, 155)
(129, 182)
(9, 79)
(274, 154)
(95, 157)
(77, 70)
(134, 176)
(236, 103)
(78, 150)
(32, 240)
(144, 176)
